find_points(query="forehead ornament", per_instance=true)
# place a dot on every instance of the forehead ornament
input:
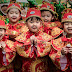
(69, 16)
(32, 12)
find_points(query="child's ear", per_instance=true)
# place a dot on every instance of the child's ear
(7, 15)
(20, 16)
(52, 17)
(41, 22)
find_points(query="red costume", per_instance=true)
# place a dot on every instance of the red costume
(34, 57)
(14, 30)
(50, 25)
(63, 62)
(8, 55)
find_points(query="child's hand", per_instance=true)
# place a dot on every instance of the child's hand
(64, 50)
(70, 50)
(33, 40)
(3, 45)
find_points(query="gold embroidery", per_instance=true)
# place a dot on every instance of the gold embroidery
(53, 24)
(40, 68)
(11, 45)
(21, 51)
(47, 48)
(8, 57)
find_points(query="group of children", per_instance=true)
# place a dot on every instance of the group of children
(41, 44)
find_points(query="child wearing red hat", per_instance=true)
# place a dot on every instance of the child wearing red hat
(34, 45)
(7, 51)
(48, 15)
(61, 53)
(14, 15)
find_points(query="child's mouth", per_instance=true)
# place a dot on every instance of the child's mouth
(70, 29)
(14, 17)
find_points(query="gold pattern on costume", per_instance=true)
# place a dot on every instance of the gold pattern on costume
(47, 48)
(14, 32)
(53, 56)
(41, 68)
(46, 37)
(11, 45)
(6, 67)
(23, 53)
(56, 31)
(57, 43)
(59, 53)
(53, 24)
(24, 29)
(21, 37)
(8, 57)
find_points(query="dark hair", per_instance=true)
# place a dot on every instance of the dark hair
(4, 5)
(9, 10)
(47, 10)
(32, 18)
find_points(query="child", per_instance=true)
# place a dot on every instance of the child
(33, 45)
(14, 15)
(3, 7)
(7, 51)
(61, 53)
(14, 28)
(48, 16)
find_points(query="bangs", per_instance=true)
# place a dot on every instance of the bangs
(32, 18)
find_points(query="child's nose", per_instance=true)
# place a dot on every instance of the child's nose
(34, 23)
(45, 17)
(70, 24)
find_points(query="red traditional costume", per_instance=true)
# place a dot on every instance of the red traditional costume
(63, 62)
(15, 29)
(50, 25)
(34, 57)
(8, 54)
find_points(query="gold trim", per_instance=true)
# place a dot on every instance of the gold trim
(48, 9)
(56, 40)
(21, 51)
(13, 7)
(3, 27)
(33, 16)
(66, 20)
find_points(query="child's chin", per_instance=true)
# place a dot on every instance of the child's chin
(34, 31)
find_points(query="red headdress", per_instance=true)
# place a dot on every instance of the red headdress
(67, 15)
(13, 5)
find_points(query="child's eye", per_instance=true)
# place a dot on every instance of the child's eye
(37, 22)
(1, 30)
(31, 21)
(11, 12)
(66, 23)
(43, 16)
(48, 16)
(16, 13)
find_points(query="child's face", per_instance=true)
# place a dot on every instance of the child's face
(68, 27)
(14, 15)
(34, 24)
(4, 8)
(46, 16)
(2, 33)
